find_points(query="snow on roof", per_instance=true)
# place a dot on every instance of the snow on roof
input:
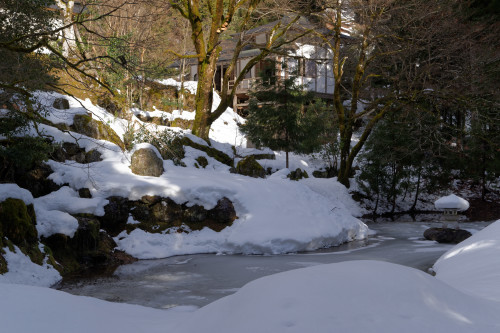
(452, 202)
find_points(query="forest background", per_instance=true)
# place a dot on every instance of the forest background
(416, 103)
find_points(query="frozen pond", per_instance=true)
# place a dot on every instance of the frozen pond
(196, 280)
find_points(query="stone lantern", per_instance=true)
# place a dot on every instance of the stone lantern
(451, 205)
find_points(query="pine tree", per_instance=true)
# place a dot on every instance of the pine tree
(282, 115)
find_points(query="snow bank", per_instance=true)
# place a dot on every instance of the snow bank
(452, 202)
(473, 266)
(23, 271)
(354, 296)
(26, 309)
(15, 192)
(310, 221)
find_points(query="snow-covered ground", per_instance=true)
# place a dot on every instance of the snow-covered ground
(276, 215)
(353, 296)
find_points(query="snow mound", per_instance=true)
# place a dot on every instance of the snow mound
(310, 221)
(452, 202)
(23, 271)
(354, 296)
(473, 266)
(32, 309)
(15, 192)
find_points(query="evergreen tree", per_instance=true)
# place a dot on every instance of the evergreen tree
(25, 26)
(408, 153)
(282, 115)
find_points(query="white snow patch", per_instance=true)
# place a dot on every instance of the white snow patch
(23, 271)
(353, 296)
(33, 309)
(473, 266)
(15, 192)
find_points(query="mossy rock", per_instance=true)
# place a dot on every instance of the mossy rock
(326, 173)
(86, 238)
(17, 222)
(87, 249)
(297, 174)
(18, 227)
(165, 97)
(63, 252)
(202, 161)
(250, 167)
(145, 162)
(115, 216)
(112, 106)
(84, 124)
(182, 123)
(157, 214)
(212, 152)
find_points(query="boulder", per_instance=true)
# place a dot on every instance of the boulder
(93, 156)
(36, 180)
(250, 167)
(297, 174)
(18, 227)
(61, 104)
(212, 152)
(145, 162)
(106, 101)
(446, 235)
(202, 161)
(84, 193)
(156, 214)
(70, 151)
(84, 124)
(327, 173)
(115, 216)
(223, 212)
(89, 248)
(18, 222)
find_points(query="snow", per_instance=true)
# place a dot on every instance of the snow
(315, 216)
(452, 202)
(145, 145)
(352, 296)
(191, 86)
(310, 221)
(275, 215)
(56, 116)
(23, 271)
(473, 266)
(15, 192)
(27, 309)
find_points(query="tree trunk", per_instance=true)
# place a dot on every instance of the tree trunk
(204, 98)
(417, 192)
